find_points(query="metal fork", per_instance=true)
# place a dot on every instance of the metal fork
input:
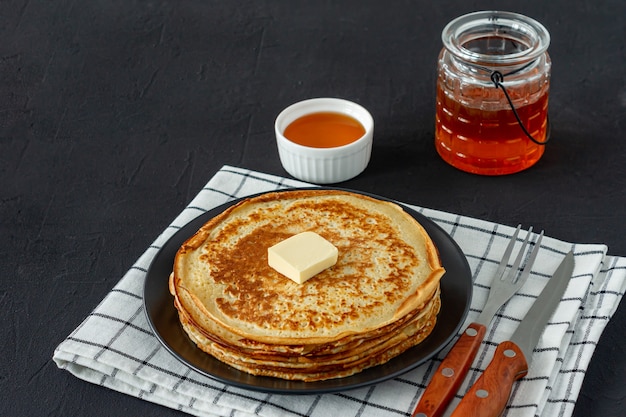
(454, 367)
(503, 287)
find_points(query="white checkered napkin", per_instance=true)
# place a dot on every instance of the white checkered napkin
(114, 346)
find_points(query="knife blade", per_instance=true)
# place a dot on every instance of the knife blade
(490, 393)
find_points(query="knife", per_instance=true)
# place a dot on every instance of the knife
(490, 393)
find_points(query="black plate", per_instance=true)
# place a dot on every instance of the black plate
(456, 293)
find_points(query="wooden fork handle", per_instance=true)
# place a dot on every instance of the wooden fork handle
(490, 393)
(451, 372)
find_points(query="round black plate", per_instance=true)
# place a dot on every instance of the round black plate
(456, 293)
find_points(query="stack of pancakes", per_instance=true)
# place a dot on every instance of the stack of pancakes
(378, 300)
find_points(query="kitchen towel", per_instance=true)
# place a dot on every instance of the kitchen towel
(115, 347)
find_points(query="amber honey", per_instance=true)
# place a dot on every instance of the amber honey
(493, 66)
(324, 130)
(489, 142)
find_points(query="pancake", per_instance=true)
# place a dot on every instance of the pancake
(379, 299)
(316, 367)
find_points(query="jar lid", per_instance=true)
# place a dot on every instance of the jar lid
(495, 38)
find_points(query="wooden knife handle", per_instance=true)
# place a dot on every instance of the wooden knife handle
(490, 393)
(451, 372)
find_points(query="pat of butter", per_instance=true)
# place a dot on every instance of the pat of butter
(302, 256)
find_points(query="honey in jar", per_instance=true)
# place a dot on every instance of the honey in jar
(486, 57)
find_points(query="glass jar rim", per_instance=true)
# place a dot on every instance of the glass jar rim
(484, 23)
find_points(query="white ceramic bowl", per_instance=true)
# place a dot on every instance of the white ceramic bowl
(324, 165)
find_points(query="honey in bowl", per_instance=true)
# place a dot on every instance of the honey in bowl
(324, 130)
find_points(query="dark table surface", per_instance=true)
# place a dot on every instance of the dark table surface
(114, 114)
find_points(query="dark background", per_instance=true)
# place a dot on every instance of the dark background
(114, 114)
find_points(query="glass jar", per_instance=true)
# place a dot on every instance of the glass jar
(492, 93)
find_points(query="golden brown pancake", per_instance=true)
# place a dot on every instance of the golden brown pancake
(380, 298)
(310, 367)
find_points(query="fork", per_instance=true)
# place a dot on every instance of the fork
(454, 367)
